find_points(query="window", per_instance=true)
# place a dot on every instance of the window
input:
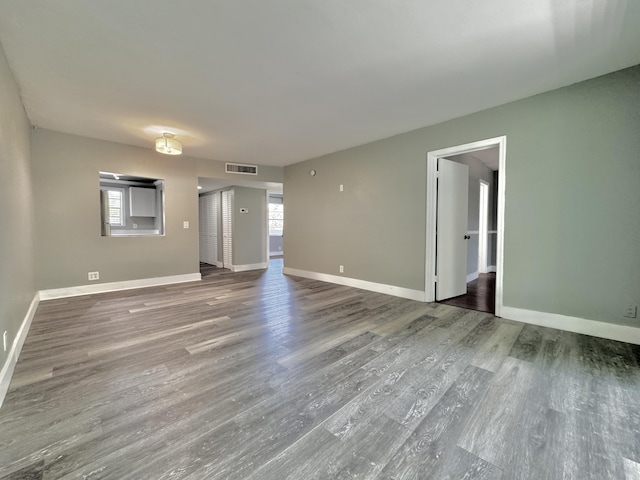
(131, 205)
(115, 206)
(276, 219)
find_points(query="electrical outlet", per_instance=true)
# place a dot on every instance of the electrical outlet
(631, 311)
(185, 225)
(94, 276)
(4, 340)
(341, 268)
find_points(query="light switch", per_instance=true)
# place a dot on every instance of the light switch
(185, 225)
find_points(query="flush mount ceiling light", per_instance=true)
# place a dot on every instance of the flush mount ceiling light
(168, 145)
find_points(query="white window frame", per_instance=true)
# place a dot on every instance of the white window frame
(122, 193)
(281, 219)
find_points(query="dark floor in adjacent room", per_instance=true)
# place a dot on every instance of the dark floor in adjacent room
(480, 296)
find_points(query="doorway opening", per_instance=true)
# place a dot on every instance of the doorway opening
(481, 269)
(275, 225)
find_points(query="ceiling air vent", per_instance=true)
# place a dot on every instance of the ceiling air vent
(242, 169)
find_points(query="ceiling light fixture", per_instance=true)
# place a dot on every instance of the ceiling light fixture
(168, 145)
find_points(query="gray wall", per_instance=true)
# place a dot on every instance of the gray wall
(249, 229)
(275, 245)
(478, 171)
(17, 287)
(572, 201)
(69, 244)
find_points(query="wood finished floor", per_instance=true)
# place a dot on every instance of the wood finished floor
(481, 294)
(256, 375)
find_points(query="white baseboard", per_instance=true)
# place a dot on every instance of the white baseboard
(248, 266)
(472, 276)
(7, 369)
(491, 269)
(116, 286)
(362, 284)
(279, 252)
(595, 328)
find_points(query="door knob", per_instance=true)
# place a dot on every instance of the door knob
(467, 237)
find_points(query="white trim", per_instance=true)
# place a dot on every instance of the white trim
(430, 235)
(116, 286)
(595, 328)
(276, 253)
(356, 283)
(268, 240)
(135, 233)
(10, 364)
(431, 197)
(491, 269)
(472, 276)
(483, 226)
(492, 231)
(473, 232)
(248, 266)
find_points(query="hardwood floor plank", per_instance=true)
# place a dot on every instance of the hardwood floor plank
(415, 402)
(401, 367)
(429, 447)
(463, 465)
(30, 472)
(490, 428)
(631, 469)
(491, 355)
(302, 459)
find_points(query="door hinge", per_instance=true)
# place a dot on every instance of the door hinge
(435, 278)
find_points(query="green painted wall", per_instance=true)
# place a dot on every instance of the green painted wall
(69, 244)
(17, 288)
(572, 226)
(249, 229)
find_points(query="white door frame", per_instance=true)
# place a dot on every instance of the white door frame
(432, 198)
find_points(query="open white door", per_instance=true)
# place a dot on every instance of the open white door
(451, 243)
(209, 213)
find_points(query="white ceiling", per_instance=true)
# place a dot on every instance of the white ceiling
(277, 82)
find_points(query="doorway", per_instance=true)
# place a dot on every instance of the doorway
(433, 262)
(275, 224)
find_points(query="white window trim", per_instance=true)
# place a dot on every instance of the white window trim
(122, 192)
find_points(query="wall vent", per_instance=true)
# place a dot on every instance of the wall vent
(241, 169)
